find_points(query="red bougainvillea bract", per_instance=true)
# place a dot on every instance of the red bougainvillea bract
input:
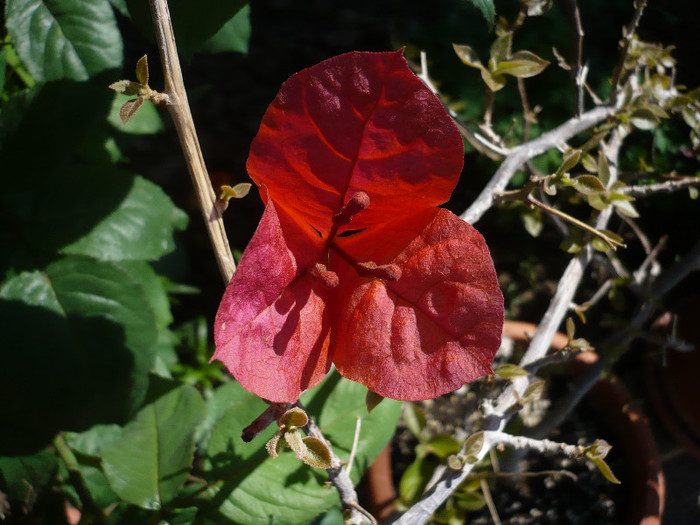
(352, 262)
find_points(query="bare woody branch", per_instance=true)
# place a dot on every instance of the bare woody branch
(179, 109)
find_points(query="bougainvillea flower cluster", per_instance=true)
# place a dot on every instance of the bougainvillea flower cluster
(353, 263)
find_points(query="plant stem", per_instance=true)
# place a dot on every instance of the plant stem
(179, 109)
(91, 511)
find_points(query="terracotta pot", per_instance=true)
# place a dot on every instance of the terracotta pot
(672, 377)
(646, 485)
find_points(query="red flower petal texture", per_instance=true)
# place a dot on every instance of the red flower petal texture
(409, 305)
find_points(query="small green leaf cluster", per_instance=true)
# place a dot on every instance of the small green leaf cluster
(502, 62)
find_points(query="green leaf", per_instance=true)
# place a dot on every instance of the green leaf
(571, 158)
(500, 48)
(88, 446)
(468, 56)
(443, 445)
(78, 342)
(414, 479)
(522, 64)
(194, 23)
(532, 220)
(104, 213)
(24, 477)
(142, 70)
(130, 108)
(644, 119)
(294, 417)
(493, 81)
(59, 39)
(588, 185)
(603, 169)
(152, 459)
(510, 370)
(259, 489)
(372, 400)
(487, 9)
(318, 455)
(414, 418)
(626, 208)
(41, 127)
(474, 444)
(234, 35)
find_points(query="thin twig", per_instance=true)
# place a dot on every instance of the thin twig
(521, 154)
(578, 73)
(527, 112)
(572, 220)
(489, 502)
(179, 109)
(355, 441)
(476, 140)
(668, 186)
(627, 40)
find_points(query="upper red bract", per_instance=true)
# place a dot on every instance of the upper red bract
(409, 306)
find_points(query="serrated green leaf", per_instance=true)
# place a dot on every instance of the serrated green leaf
(588, 185)
(487, 9)
(194, 23)
(94, 334)
(522, 64)
(152, 459)
(234, 35)
(510, 370)
(105, 213)
(59, 39)
(468, 56)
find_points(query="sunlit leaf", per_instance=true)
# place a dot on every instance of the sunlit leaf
(522, 64)
(59, 39)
